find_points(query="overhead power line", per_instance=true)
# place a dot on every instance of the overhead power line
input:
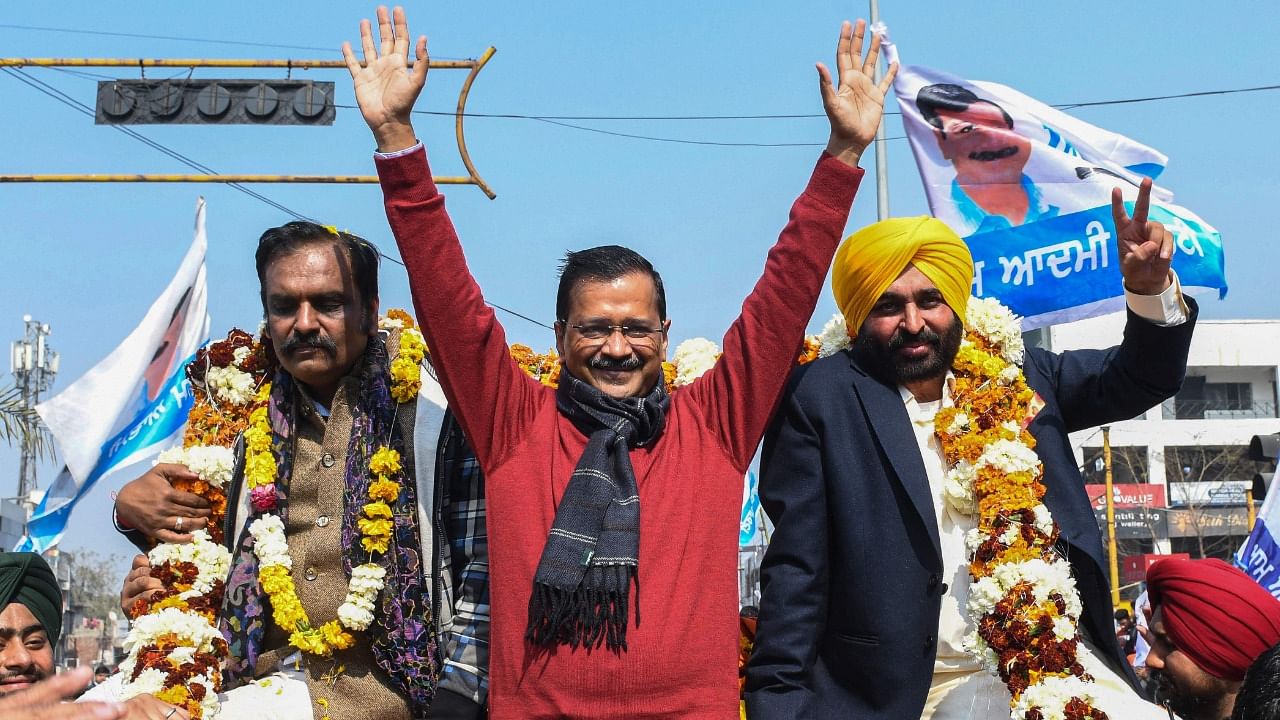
(80, 107)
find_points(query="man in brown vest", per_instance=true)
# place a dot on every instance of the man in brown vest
(320, 300)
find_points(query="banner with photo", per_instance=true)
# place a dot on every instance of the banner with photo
(131, 405)
(1029, 189)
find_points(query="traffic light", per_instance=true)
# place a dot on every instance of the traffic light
(214, 102)
(1265, 449)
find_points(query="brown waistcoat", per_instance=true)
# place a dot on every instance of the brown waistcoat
(359, 690)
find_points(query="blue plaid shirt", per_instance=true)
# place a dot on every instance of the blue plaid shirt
(466, 644)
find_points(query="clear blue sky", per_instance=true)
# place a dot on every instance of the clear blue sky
(89, 259)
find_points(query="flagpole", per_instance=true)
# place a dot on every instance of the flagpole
(882, 162)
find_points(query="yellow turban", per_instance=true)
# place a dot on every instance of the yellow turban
(869, 260)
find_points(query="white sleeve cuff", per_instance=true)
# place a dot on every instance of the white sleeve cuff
(1166, 309)
(398, 153)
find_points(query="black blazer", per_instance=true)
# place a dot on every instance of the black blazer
(851, 583)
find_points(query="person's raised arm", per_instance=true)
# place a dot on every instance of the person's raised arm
(489, 394)
(761, 346)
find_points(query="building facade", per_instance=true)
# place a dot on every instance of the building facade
(1181, 470)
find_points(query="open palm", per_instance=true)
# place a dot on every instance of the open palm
(386, 88)
(855, 104)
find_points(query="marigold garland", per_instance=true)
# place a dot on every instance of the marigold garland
(376, 525)
(1022, 600)
(174, 649)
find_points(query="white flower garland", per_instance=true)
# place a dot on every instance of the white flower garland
(271, 548)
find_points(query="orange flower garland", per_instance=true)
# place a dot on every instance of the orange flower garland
(1023, 600)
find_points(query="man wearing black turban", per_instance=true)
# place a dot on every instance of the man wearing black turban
(30, 620)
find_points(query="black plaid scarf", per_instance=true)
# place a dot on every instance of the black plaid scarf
(582, 587)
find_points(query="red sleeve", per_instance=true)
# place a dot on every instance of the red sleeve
(740, 393)
(491, 397)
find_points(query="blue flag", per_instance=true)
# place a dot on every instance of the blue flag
(1029, 189)
(1259, 557)
(131, 405)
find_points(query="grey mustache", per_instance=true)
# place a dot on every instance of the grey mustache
(296, 342)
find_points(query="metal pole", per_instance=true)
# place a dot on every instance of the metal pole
(1112, 558)
(882, 161)
(1253, 512)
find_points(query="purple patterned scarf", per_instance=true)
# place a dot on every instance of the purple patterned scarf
(403, 634)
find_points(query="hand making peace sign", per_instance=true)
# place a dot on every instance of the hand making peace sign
(1146, 246)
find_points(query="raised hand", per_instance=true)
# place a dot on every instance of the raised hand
(1146, 246)
(386, 88)
(856, 104)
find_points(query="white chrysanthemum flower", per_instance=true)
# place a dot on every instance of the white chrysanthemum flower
(389, 323)
(1051, 695)
(834, 336)
(239, 354)
(1011, 427)
(959, 424)
(1008, 375)
(1044, 521)
(269, 543)
(356, 612)
(1010, 534)
(230, 384)
(973, 539)
(149, 682)
(1010, 456)
(210, 704)
(1064, 628)
(982, 651)
(692, 358)
(1045, 580)
(354, 617)
(957, 488)
(984, 593)
(995, 322)
(212, 463)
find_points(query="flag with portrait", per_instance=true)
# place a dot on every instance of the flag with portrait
(1029, 189)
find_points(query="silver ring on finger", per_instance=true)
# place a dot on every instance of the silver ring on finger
(172, 710)
(177, 527)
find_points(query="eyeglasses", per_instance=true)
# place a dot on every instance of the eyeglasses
(601, 331)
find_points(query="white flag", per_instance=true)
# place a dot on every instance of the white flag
(1029, 189)
(131, 405)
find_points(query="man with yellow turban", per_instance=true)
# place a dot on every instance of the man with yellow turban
(866, 582)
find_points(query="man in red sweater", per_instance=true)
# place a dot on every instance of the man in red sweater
(569, 470)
